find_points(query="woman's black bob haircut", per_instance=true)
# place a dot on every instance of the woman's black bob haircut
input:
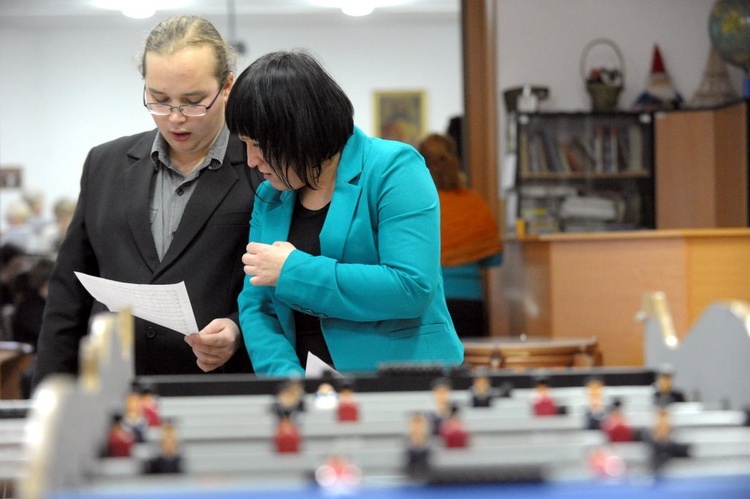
(289, 105)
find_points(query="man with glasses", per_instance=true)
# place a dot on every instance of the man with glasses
(162, 207)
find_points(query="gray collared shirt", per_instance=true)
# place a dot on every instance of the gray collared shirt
(171, 191)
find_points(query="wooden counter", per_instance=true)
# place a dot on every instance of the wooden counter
(15, 359)
(592, 284)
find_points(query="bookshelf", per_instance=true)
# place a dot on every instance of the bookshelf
(583, 172)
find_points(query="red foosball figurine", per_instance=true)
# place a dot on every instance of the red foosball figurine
(348, 409)
(453, 432)
(120, 439)
(287, 438)
(542, 402)
(616, 426)
(604, 463)
(150, 407)
(338, 475)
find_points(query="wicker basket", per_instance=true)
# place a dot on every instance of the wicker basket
(604, 95)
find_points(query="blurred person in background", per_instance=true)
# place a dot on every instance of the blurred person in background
(38, 220)
(53, 234)
(18, 231)
(470, 237)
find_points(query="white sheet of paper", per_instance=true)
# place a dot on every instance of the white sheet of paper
(316, 367)
(165, 304)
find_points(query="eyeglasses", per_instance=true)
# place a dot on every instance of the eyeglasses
(189, 110)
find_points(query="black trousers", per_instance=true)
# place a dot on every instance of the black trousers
(469, 317)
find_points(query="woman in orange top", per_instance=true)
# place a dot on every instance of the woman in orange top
(470, 238)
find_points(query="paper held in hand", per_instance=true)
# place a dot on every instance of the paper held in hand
(165, 304)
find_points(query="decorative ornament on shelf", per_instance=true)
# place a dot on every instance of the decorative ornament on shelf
(729, 29)
(603, 83)
(715, 88)
(660, 92)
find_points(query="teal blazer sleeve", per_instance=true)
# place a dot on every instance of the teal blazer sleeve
(376, 286)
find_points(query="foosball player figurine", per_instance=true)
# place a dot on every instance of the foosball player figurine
(348, 409)
(664, 392)
(496, 359)
(481, 390)
(663, 448)
(441, 391)
(616, 426)
(288, 400)
(150, 404)
(134, 417)
(338, 475)
(287, 438)
(605, 463)
(453, 432)
(169, 457)
(120, 438)
(505, 390)
(595, 410)
(298, 389)
(326, 397)
(418, 440)
(542, 402)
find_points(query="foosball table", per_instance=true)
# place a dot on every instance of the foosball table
(405, 431)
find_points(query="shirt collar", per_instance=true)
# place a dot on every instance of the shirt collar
(214, 158)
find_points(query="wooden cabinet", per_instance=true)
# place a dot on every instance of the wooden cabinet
(701, 164)
(572, 286)
(583, 172)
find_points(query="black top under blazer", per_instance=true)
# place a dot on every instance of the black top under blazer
(110, 236)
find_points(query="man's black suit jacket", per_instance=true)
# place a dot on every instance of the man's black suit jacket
(110, 236)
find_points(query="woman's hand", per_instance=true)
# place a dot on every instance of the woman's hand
(263, 262)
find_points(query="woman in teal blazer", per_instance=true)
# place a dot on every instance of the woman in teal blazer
(344, 252)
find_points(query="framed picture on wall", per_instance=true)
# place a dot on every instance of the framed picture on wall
(400, 115)
(11, 177)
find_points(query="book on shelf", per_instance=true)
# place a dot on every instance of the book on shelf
(613, 151)
(551, 152)
(537, 155)
(524, 165)
(572, 157)
(599, 149)
(635, 149)
(585, 152)
(564, 161)
(608, 150)
(623, 148)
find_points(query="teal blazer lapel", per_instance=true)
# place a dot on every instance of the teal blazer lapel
(345, 198)
(278, 217)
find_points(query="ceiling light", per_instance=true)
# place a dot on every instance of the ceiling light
(357, 8)
(138, 10)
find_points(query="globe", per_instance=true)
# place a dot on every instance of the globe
(729, 29)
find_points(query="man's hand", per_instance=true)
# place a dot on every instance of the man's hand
(215, 344)
(263, 262)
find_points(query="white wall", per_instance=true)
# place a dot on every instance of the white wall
(65, 89)
(68, 88)
(542, 41)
